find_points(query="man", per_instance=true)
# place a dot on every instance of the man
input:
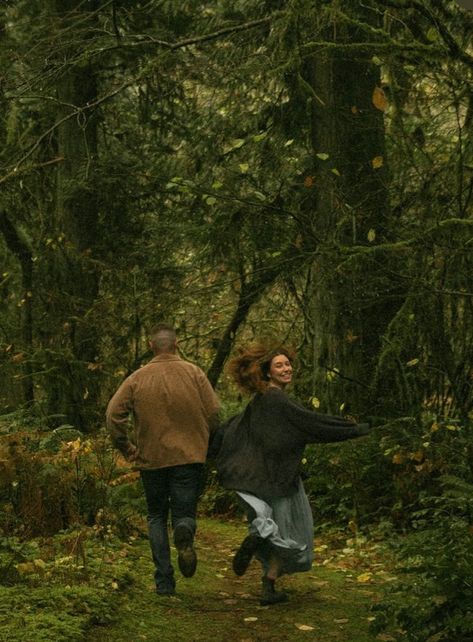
(173, 407)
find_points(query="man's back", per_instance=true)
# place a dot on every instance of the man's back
(172, 402)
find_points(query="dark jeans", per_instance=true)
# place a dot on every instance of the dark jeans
(176, 491)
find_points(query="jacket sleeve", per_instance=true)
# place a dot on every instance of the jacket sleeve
(209, 399)
(315, 427)
(117, 416)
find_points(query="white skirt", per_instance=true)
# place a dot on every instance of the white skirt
(287, 523)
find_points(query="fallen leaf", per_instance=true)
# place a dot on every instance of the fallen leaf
(364, 577)
(250, 619)
(343, 620)
(304, 627)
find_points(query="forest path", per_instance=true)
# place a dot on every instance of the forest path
(329, 603)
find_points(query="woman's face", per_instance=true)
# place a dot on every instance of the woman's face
(280, 371)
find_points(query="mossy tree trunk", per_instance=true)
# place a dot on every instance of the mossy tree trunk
(72, 391)
(348, 309)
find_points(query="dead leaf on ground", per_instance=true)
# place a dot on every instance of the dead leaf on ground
(364, 577)
(304, 627)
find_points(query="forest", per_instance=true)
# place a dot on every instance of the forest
(296, 172)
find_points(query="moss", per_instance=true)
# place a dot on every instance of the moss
(52, 612)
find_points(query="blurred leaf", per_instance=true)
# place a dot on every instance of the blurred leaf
(377, 162)
(379, 99)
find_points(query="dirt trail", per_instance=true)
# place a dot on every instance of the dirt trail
(329, 603)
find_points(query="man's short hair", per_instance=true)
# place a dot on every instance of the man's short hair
(163, 337)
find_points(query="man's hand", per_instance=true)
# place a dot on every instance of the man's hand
(132, 453)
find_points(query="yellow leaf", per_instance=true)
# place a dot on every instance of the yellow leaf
(371, 235)
(315, 402)
(364, 577)
(304, 627)
(39, 563)
(251, 619)
(377, 162)
(24, 567)
(379, 99)
(452, 427)
(412, 362)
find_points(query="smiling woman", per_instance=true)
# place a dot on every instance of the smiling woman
(258, 454)
(280, 371)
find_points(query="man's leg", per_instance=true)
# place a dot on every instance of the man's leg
(156, 486)
(185, 490)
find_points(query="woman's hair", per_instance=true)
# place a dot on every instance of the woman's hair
(250, 369)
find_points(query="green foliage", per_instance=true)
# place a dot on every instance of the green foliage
(432, 599)
(50, 481)
(64, 585)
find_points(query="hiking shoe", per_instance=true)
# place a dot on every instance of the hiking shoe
(186, 557)
(244, 554)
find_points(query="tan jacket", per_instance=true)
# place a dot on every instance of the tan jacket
(172, 404)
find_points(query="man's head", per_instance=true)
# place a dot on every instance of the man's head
(162, 339)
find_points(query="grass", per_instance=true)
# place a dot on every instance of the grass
(332, 602)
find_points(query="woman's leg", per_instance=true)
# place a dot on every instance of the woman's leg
(269, 595)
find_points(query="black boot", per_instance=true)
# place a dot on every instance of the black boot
(244, 554)
(186, 556)
(269, 594)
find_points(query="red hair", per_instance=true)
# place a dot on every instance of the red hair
(250, 368)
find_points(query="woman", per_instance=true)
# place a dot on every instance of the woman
(258, 453)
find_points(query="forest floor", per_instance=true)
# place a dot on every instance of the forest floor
(330, 603)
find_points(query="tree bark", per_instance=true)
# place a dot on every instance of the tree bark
(346, 313)
(20, 248)
(73, 390)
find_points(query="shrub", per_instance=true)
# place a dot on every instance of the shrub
(433, 599)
